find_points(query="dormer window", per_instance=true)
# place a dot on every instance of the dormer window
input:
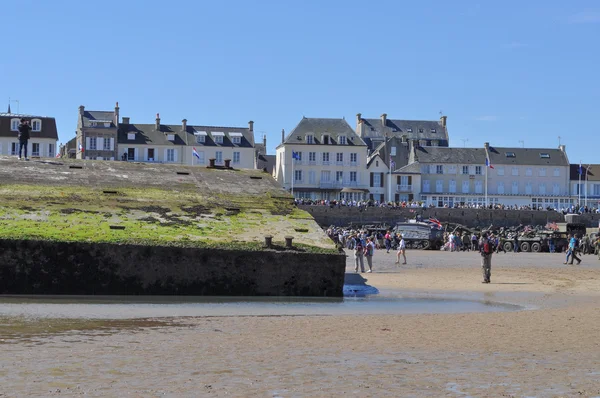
(309, 139)
(433, 131)
(200, 137)
(218, 136)
(342, 140)
(510, 154)
(131, 136)
(409, 130)
(106, 124)
(545, 155)
(36, 125)
(171, 137)
(14, 124)
(326, 139)
(420, 130)
(236, 138)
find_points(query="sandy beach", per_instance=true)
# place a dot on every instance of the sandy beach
(552, 349)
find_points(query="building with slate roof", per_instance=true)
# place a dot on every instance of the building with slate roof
(43, 139)
(427, 133)
(585, 185)
(96, 135)
(100, 136)
(329, 162)
(167, 143)
(444, 176)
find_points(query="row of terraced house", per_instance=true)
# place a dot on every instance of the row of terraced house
(325, 158)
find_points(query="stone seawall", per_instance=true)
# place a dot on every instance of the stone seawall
(78, 268)
(343, 216)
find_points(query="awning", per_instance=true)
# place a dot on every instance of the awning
(235, 134)
(199, 132)
(217, 133)
(303, 189)
(359, 190)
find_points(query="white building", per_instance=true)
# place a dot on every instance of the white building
(329, 162)
(585, 187)
(518, 176)
(42, 143)
(161, 143)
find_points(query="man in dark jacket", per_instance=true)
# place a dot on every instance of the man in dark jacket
(24, 129)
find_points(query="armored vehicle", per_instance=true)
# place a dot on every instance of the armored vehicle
(420, 235)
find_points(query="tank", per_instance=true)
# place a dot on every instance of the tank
(420, 235)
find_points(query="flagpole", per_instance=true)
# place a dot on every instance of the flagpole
(579, 188)
(586, 183)
(486, 184)
(293, 176)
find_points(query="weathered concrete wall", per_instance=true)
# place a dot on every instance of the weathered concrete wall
(343, 216)
(43, 267)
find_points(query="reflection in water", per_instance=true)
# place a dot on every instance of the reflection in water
(360, 301)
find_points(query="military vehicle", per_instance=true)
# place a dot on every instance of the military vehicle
(420, 235)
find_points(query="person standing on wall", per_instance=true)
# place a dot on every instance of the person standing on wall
(401, 250)
(486, 249)
(369, 251)
(24, 129)
(358, 255)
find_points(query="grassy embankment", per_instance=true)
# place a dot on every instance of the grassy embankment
(153, 216)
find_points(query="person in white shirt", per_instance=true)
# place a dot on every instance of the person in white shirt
(401, 250)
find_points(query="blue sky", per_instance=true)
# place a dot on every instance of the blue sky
(511, 73)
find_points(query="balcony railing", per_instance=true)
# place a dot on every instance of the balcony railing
(404, 188)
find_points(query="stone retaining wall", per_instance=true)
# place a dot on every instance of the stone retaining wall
(77, 268)
(343, 216)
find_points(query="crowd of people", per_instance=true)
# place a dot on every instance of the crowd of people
(571, 209)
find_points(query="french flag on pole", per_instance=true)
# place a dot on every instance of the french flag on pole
(80, 148)
(580, 171)
(195, 153)
(488, 163)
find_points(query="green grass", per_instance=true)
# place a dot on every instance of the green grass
(182, 218)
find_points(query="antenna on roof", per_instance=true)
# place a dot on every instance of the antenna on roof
(559, 140)
(464, 140)
(441, 113)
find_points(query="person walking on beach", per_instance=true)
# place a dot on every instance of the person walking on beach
(369, 251)
(401, 250)
(23, 135)
(571, 251)
(358, 256)
(388, 241)
(486, 249)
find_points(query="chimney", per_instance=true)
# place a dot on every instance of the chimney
(125, 120)
(411, 146)
(384, 119)
(81, 110)
(443, 120)
(282, 135)
(117, 114)
(486, 146)
(563, 148)
(157, 122)
(184, 125)
(251, 125)
(265, 142)
(358, 119)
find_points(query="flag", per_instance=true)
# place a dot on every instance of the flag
(80, 148)
(488, 164)
(195, 153)
(435, 221)
(392, 164)
(580, 171)
(296, 155)
(58, 155)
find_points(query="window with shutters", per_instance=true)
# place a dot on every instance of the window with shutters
(478, 170)
(14, 124)
(312, 157)
(339, 176)
(465, 187)
(556, 172)
(236, 157)
(325, 157)
(353, 175)
(353, 157)
(439, 186)
(439, 169)
(131, 136)
(14, 148)
(36, 125)
(542, 189)
(35, 149)
(297, 175)
(93, 142)
(219, 157)
(500, 171)
(515, 187)
(106, 144)
(339, 158)
(426, 186)
(342, 140)
(465, 170)
(452, 186)
(528, 188)
(478, 186)
(50, 150)
(501, 188)
(542, 172)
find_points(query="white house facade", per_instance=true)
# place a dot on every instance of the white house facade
(323, 159)
(43, 135)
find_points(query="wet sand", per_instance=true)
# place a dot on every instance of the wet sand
(552, 350)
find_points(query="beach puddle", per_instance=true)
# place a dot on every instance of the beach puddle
(359, 300)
